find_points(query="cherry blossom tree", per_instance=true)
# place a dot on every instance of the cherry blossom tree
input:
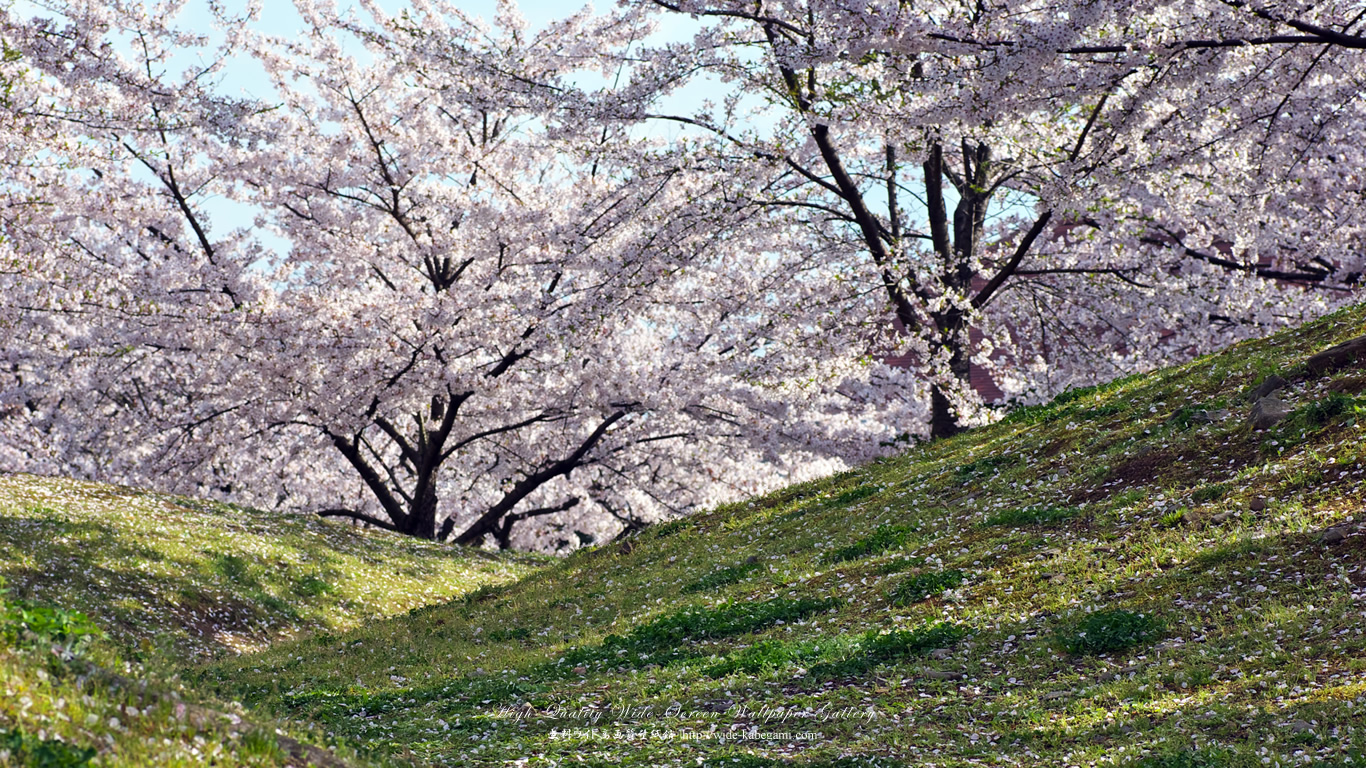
(502, 287)
(495, 317)
(1057, 191)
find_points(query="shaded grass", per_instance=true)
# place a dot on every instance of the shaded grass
(883, 539)
(722, 578)
(986, 465)
(665, 639)
(876, 647)
(62, 707)
(1211, 492)
(1108, 631)
(1309, 418)
(1040, 515)
(28, 749)
(921, 586)
(1185, 758)
(230, 578)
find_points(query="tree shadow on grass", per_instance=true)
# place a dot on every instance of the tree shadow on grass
(95, 569)
(200, 605)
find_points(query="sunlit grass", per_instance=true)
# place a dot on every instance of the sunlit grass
(199, 579)
(867, 619)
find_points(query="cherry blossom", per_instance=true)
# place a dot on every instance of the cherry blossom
(505, 285)
(497, 318)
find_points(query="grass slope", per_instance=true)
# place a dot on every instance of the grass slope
(108, 592)
(199, 579)
(1125, 576)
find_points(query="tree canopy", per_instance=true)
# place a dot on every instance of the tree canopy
(489, 296)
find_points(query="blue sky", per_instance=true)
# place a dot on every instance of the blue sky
(278, 17)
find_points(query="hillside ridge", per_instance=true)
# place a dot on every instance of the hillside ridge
(1132, 574)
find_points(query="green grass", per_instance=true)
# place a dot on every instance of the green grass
(669, 637)
(140, 586)
(922, 586)
(1182, 758)
(722, 578)
(987, 465)
(764, 656)
(1092, 610)
(899, 564)
(27, 749)
(1211, 492)
(884, 538)
(1318, 414)
(66, 702)
(877, 647)
(1073, 404)
(204, 579)
(22, 623)
(1108, 631)
(1034, 515)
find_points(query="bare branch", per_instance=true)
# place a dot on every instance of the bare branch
(983, 296)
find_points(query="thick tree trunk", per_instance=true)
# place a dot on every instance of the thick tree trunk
(423, 518)
(951, 325)
(943, 419)
(953, 334)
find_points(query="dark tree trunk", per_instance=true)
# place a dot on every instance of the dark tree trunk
(951, 325)
(498, 520)
(423, 518)
(952, 329)
(943, 419)
(412, 513)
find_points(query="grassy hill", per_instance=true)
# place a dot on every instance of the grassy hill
(110, 592)
(1129, 575)
(200, 578)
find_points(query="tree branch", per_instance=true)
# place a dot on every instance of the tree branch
(755, 17)
(361, 516)
(983, 296)
(488, 521)
(351, 451)
(504, 533)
